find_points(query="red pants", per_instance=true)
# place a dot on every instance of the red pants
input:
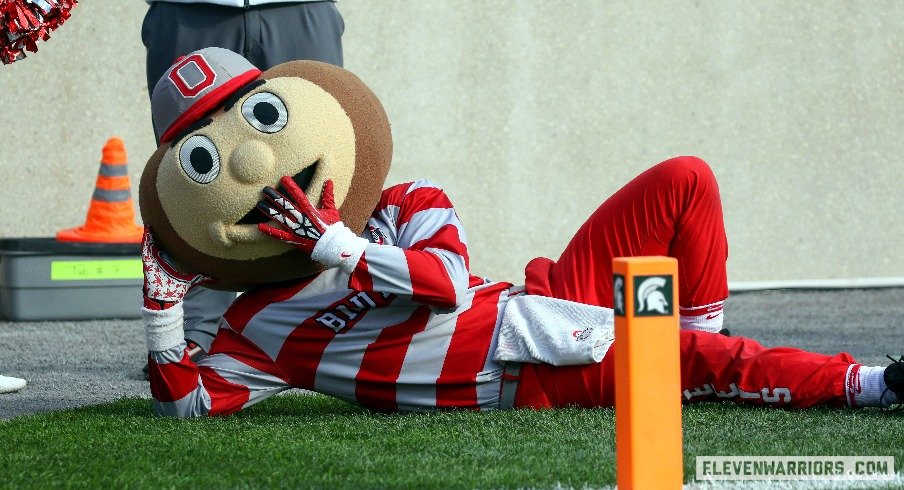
(672, 209)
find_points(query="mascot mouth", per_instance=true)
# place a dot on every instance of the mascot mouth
(245, 229)
(302, 180)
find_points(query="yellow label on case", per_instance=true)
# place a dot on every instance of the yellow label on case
(94, 270)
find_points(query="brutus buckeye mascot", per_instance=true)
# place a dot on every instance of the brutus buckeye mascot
(271, 183)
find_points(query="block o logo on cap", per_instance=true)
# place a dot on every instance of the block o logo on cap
(194, 86)
(192, 75)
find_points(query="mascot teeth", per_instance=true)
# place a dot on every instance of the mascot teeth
(302, 179)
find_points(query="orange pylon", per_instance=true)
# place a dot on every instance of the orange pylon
(648, 435)
(111, 215)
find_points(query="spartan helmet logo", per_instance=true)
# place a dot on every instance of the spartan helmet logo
(653, 296)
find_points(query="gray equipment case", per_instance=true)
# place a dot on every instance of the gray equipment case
(43, 279)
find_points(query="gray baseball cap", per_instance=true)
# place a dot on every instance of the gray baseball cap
(194, 85)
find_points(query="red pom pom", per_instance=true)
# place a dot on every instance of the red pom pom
(25, 22)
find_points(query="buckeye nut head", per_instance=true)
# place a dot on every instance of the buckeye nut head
(308, 120)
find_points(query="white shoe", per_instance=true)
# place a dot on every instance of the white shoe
(9, 384)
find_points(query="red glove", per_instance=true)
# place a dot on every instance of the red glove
(317, 231)
(164, 286)
(301, 223)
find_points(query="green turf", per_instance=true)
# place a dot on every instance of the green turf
(314, 441)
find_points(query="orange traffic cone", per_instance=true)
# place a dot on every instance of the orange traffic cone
(111, 217)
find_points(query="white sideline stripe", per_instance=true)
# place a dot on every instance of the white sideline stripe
(852, 283)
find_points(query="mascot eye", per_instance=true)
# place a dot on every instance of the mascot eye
(200, 159)
(265, 112)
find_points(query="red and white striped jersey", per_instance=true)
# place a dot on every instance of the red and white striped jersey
(410, 329)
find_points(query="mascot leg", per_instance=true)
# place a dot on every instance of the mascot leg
(672, 209)
(713, 368)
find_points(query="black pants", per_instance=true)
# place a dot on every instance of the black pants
(266, 35)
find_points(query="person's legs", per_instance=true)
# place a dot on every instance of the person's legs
(672, 209)
(171, 30)
(266, 35)
(280, 32)
(713, 367)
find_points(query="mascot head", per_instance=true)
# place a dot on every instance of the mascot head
(226, 130)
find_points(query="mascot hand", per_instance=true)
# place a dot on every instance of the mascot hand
(318, 231)
(301, 223)
(164, 286)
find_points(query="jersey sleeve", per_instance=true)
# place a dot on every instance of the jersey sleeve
(418, 247)
(232, 376)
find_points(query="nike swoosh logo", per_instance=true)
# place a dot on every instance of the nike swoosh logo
(710, 317)
(345, 255)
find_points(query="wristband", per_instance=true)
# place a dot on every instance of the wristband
(163, 328)
(339, 247)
